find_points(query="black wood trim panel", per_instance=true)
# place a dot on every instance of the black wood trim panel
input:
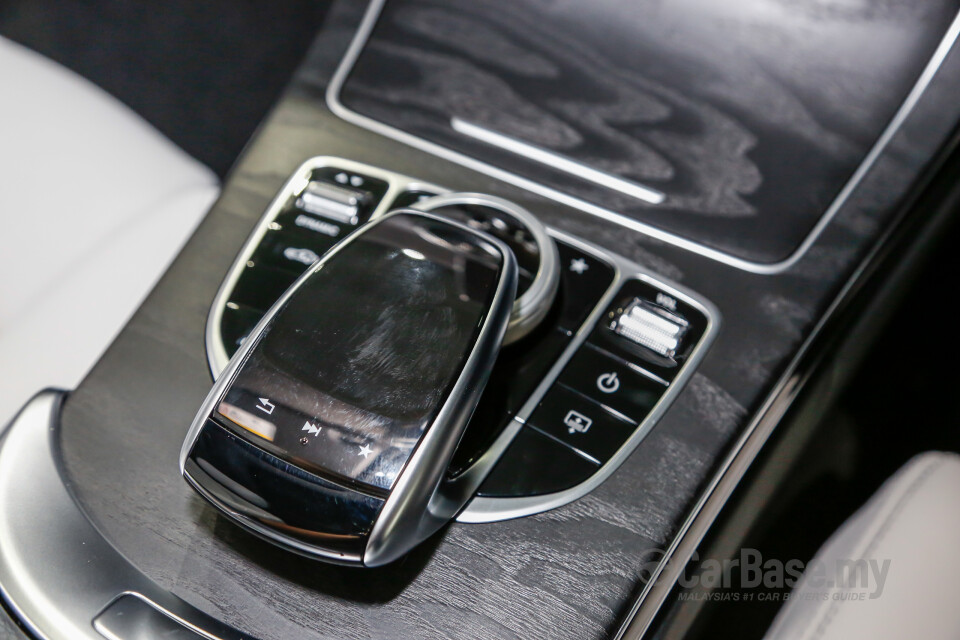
(750, 120)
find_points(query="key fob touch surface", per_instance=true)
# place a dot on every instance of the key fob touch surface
(331, 429)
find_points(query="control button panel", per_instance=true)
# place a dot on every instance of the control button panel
(317, 209)
(287, 250)
(608, 393)
(650, 327)
(326, 200)
(294, 238)
(295, 219)
(586, 385)
(518, 371)
(344, 196)
(585, 278)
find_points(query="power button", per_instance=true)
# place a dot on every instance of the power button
(612, 382)
(608, 382)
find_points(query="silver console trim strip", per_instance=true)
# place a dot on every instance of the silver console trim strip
(482, 509)
(366, 28)
(57, 573)
(100, 625)
(558, 162)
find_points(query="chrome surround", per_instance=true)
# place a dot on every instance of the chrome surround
(366, 28)
(531, 307)
(57, 573)
(420, 502)
(481, 509)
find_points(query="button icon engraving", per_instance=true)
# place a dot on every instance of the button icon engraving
(306, 222)
(303, 256)
(266, 406)
(608, 382)
(666, 301)
(365, 451)
(311, 428)
(577, 422)
(578, 266)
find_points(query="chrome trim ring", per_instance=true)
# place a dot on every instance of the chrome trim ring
(532, 307)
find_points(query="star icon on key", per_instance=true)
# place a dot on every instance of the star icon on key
(579, 266)
(365, 451)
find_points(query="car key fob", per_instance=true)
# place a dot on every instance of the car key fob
(331, 429)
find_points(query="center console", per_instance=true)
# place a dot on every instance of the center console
(653, 341)
(567, 401)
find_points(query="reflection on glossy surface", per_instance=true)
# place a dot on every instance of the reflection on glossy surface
(749, 116)
(359, 361)
(274, 495)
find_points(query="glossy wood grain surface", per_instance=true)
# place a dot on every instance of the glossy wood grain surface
(748, 116)
(569, 573)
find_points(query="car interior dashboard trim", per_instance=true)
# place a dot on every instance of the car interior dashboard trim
(217, 357)
(82, 558)
(490, 509)
(368, 23)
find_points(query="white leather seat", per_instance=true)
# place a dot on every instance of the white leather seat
(913, 522)
(94, 204)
